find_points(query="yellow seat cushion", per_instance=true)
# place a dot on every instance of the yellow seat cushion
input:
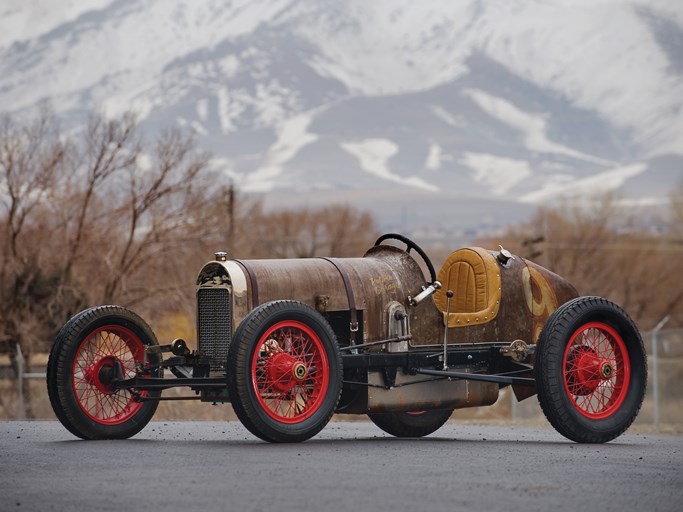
(472, 274)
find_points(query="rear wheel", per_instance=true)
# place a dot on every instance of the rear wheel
(591, 370)
(284, 372)
(411, 424)
(91, 350)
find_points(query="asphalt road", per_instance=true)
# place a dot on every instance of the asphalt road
(350, 466)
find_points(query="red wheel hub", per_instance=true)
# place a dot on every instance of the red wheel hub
(101, 373)
(586, 370)
(597, 371)
(103, 354)
(286, 371)
(290, 372)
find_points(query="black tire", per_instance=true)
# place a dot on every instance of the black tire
(83, 358)
(591, 370)
(284, 372)
(408, 424)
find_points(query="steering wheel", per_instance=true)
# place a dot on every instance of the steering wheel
(410, 245)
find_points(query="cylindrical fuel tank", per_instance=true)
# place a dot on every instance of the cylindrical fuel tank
(384, 275)
(493, 301)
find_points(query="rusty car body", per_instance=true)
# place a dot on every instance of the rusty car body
(289, 342)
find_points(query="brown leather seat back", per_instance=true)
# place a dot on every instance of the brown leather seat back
(473, 275)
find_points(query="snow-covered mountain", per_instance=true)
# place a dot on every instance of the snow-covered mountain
(472, 111)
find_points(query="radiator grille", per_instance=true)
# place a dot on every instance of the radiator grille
(214, 323)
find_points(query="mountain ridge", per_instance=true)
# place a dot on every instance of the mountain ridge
(503, 102)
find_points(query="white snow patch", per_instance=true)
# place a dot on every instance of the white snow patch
(199, 128)
(261, 180)
(22, 20)
(229, 109)
(203, 109)
(643, 202)
(433, 161)
(293, 136)
(498, 173)
(447, 117)
(569, 187)
(598, 54)
(532, 125)
(373, 156)
(271, 103)
(113, 56)
(229, 66)
(390, 47)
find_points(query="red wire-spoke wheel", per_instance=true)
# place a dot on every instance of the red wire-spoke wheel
(284, 372)
(92, 351)
(597, 370)
(290, 372)
(109, 352)
(591, 370)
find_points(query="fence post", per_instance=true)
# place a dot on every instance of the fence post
(20, 383)
(655, 376)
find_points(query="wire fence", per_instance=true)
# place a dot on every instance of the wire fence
(664, 398)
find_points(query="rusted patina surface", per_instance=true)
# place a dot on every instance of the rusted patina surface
(381, 283)
(529, 295)
(386, 274)
(544, 292)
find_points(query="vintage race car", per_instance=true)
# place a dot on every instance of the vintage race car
(290, 342)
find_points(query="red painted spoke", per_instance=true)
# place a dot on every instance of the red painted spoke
(281, 395)
(105, 347)
(287, 413)
(279, 406)
(594, 393)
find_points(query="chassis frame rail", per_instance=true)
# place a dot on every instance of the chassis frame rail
(484, 357)
(500, 379)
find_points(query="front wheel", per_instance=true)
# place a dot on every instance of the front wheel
(591, 370)
(411, 424)
(284, 372)
(91, 350)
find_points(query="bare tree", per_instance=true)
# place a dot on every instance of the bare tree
(83, 219)
(110, 147)
(102, 216)
(158, 212)
(31, 158)
(336, 230)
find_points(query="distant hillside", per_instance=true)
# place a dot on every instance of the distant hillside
(440, 116)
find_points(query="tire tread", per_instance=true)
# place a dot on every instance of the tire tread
(239, 370)
(59, 371)
(549, 355)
